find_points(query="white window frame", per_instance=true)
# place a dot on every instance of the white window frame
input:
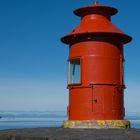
(69, 72)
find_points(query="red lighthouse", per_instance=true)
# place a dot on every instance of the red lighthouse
(95, 70)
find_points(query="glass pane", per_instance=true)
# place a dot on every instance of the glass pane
(74, 71)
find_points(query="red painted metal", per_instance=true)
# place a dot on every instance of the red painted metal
(99, 46)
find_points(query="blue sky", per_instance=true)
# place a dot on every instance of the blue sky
(33, 61)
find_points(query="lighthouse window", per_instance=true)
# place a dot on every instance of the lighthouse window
(74, 71)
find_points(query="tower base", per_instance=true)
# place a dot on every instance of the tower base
(98, 124)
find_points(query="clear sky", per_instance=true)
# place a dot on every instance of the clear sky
(33, 61)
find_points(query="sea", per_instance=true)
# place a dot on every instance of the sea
(43, 119)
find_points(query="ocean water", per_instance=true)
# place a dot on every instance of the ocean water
(31, 119)
(134, 118)
(35, 119)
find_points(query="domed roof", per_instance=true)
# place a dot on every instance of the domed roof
(95, 6)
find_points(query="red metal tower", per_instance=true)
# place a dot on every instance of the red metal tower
(95, 71)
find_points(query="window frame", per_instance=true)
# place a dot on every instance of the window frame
(69, 80)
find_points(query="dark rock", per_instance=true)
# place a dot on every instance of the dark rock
(70, 134)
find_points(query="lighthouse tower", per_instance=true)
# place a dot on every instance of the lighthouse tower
(95, 70)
